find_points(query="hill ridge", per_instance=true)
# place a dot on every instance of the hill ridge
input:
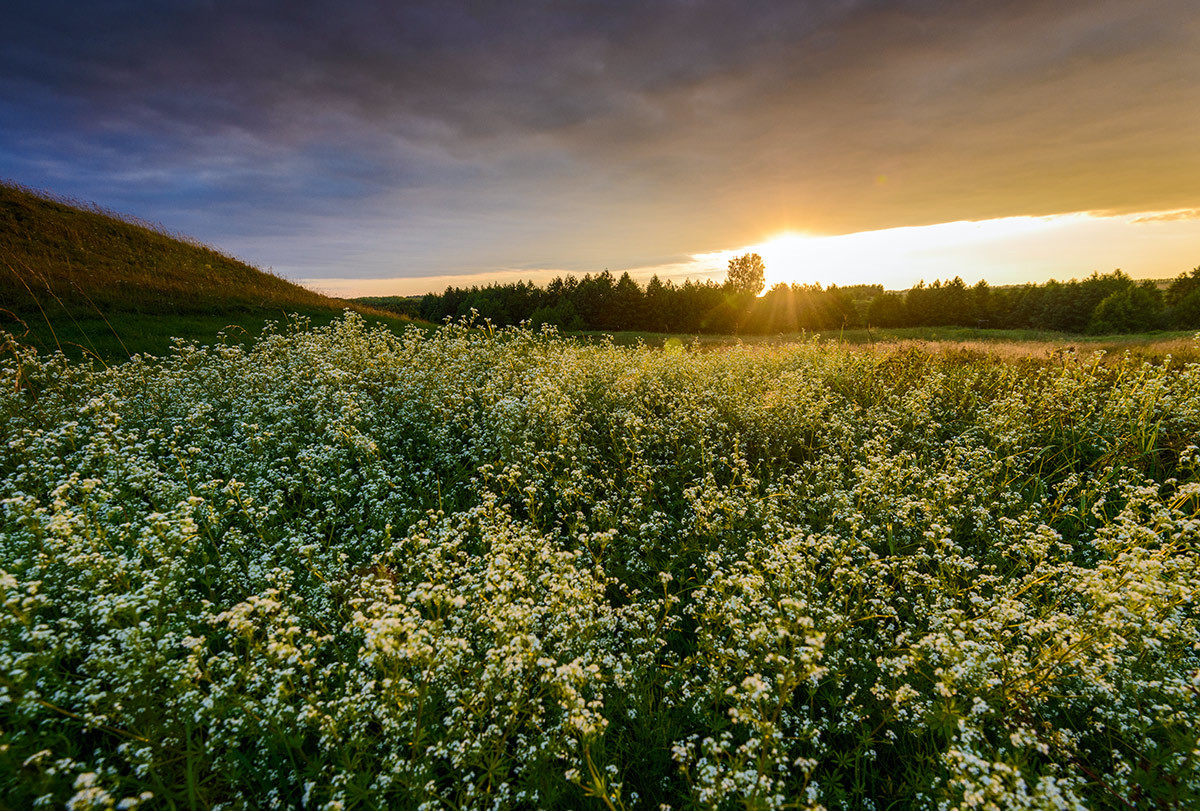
(75, 273)
(86, 259)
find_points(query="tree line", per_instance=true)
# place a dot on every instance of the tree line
(1101, 303)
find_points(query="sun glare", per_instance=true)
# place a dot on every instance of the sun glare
(1011, 250)
(896, 255)
(787, 255)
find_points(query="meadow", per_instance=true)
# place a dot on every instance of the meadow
(469, 568)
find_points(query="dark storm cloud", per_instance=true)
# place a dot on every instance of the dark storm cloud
(419, 137)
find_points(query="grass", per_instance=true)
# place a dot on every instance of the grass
(1009, 343)
(121, 335)
(92, 283)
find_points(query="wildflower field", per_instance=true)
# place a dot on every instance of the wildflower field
(467, 569)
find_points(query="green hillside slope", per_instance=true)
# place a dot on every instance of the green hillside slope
(80, 279)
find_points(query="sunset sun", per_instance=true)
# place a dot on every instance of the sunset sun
(788, 257)
(992, 249)
(892, 256)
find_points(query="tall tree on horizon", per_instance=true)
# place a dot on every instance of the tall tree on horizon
(747, 274)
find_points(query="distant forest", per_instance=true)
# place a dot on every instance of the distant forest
(1107, 303)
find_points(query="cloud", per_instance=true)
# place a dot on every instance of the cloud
(453, 137)
(1169, 216)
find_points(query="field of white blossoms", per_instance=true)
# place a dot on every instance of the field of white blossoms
(463, 569)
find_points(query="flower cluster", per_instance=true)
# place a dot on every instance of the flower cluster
(474, 569)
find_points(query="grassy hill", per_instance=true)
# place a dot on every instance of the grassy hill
(90, 282)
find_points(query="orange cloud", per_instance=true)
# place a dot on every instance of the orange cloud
(1171, 216)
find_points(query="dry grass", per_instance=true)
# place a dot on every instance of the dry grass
(1184, 349)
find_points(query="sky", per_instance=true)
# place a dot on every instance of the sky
(376, 148)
